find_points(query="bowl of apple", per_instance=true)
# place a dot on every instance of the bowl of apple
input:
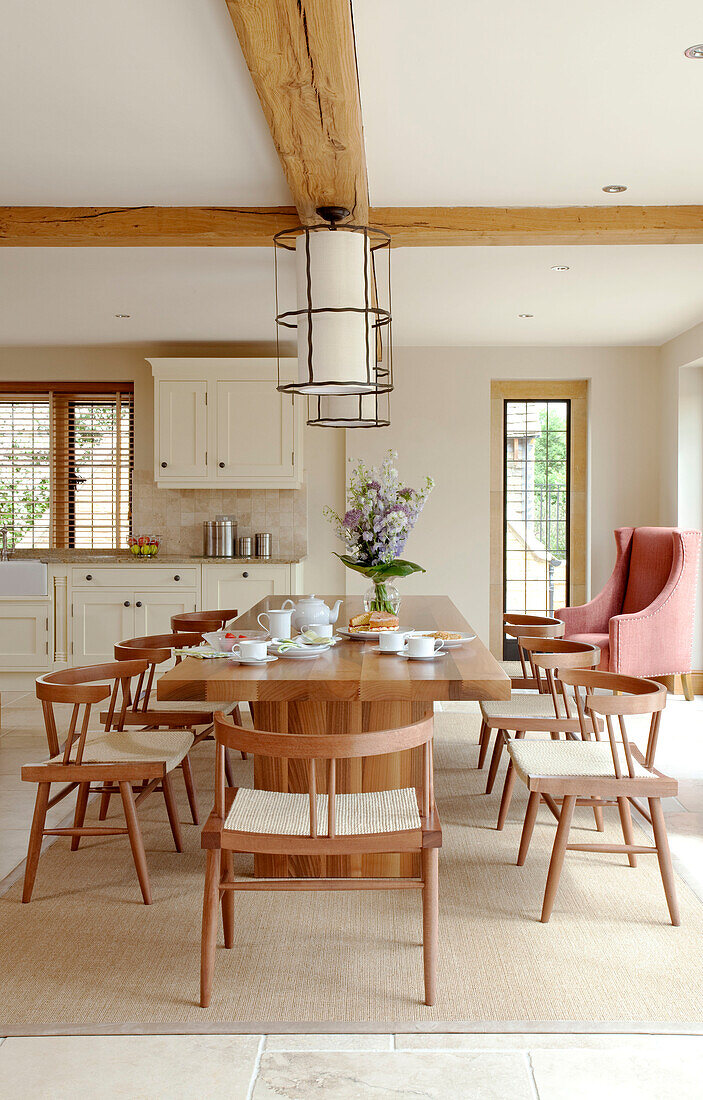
(144, 546)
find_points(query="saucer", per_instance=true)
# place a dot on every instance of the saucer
(251, 660)
(385, 652)
(429, 657)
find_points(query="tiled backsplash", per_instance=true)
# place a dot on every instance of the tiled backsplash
(177, 515)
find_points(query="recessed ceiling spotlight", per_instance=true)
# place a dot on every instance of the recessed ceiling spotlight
(123, 315)
(525, 314)
(560, 267)
(614, 188)
(694, 52)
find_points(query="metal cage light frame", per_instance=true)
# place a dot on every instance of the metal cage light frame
(376, 377)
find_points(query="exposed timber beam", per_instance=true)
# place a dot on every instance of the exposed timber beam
(302, 59)
(24, 226)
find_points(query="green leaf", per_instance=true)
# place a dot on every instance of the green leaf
(397, 568)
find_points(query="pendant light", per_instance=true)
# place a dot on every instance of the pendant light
(365, 410)
(338, 318)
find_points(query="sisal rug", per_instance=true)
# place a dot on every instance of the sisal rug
(87, 952)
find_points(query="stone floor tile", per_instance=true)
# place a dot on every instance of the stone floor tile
(627, 1075)
(328, 1042)
(677, 1046)
(129, 1067)
(349, 1076)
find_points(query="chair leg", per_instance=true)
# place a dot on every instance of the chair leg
(627, 830)
(227, 875)
(104, 805)
(430, 920)
(79, 816)
(135, 840)
(598, 817)
(664, 856)
(507, 798)
(687, 685)
(35, 839)
(209, 930)
(484, 738)
(528, 827)
(495, 761)
(172, 811)
(190, 789)
(228, 769)
(558, 852)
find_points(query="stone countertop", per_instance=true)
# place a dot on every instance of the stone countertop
(123, 557)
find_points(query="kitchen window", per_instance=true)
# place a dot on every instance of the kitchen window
(66, 457)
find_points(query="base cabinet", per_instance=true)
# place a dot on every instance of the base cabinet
(24, 635)
(242, 586)
(106, 616)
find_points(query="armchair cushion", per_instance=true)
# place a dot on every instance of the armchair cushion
(650, 566)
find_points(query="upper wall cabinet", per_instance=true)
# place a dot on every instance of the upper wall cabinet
(222, 422)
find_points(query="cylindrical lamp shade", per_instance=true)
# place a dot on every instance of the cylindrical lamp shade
(368, 410)
(338, 316)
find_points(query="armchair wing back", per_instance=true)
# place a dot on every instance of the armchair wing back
(643, 618)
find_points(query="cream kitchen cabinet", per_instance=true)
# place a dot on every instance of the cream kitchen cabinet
(24, 635)
(242, 585)
(222, 423)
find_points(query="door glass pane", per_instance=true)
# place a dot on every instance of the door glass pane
(536, 520)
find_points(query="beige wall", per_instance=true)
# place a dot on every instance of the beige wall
(690, 478)
(441, 426)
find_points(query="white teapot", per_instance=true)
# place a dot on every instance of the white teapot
(312, 611)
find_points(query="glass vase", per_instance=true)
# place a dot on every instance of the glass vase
(382, 596)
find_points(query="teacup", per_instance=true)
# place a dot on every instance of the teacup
(320, 630)
(250, 649)
(278, 622)
(391, 642)
(421, 645)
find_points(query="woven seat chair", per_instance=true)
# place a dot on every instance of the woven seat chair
(521, 673)
(110, 760)
(202, 620)
(611, 772)
(150, 713)
(528, 712)
(319, 823)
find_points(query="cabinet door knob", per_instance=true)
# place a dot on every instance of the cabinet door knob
(221, 465)
(177, 577)
(245, 574)
(126, 603)
(164, 465)
(138, 603)
(89, 576)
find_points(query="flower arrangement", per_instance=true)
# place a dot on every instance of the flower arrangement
(381, 513)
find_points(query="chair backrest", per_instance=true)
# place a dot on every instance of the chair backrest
(83, 687)
(329, 747)
(551, 655)
(203, 620)
(155, 649)
(651, 558)
(636, 695)
(537, 626)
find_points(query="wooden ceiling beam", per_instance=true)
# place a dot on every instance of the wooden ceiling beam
(186, 226)
(302, 60)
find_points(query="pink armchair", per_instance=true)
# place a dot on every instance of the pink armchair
(643, 618)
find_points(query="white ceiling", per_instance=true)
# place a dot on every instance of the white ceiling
(149, 102)
(610, 295)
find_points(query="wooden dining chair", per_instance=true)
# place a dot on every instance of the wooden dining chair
(319, 824)
(115, 760)
(146, 711)
(548, 657)
(611, 770)
(527, 711)
(521, 673)
(202, 620)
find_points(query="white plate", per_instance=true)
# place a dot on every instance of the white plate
(449, 643)
(302, 640)
(430, 656)
(306, 653)
(298, 647)
(252, 660)
(385, 652)
(368, 635)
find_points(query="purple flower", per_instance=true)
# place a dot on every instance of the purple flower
(351, 518)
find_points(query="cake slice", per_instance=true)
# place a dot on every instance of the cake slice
(381, 620)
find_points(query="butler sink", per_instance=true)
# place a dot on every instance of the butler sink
(23, 578)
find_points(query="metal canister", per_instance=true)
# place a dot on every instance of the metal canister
(244, 546)
(209, 538)
(224, 538)
(263, 544)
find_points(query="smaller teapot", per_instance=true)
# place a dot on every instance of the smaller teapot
(312, 611)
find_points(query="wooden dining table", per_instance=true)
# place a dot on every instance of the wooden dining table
(349, 688)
